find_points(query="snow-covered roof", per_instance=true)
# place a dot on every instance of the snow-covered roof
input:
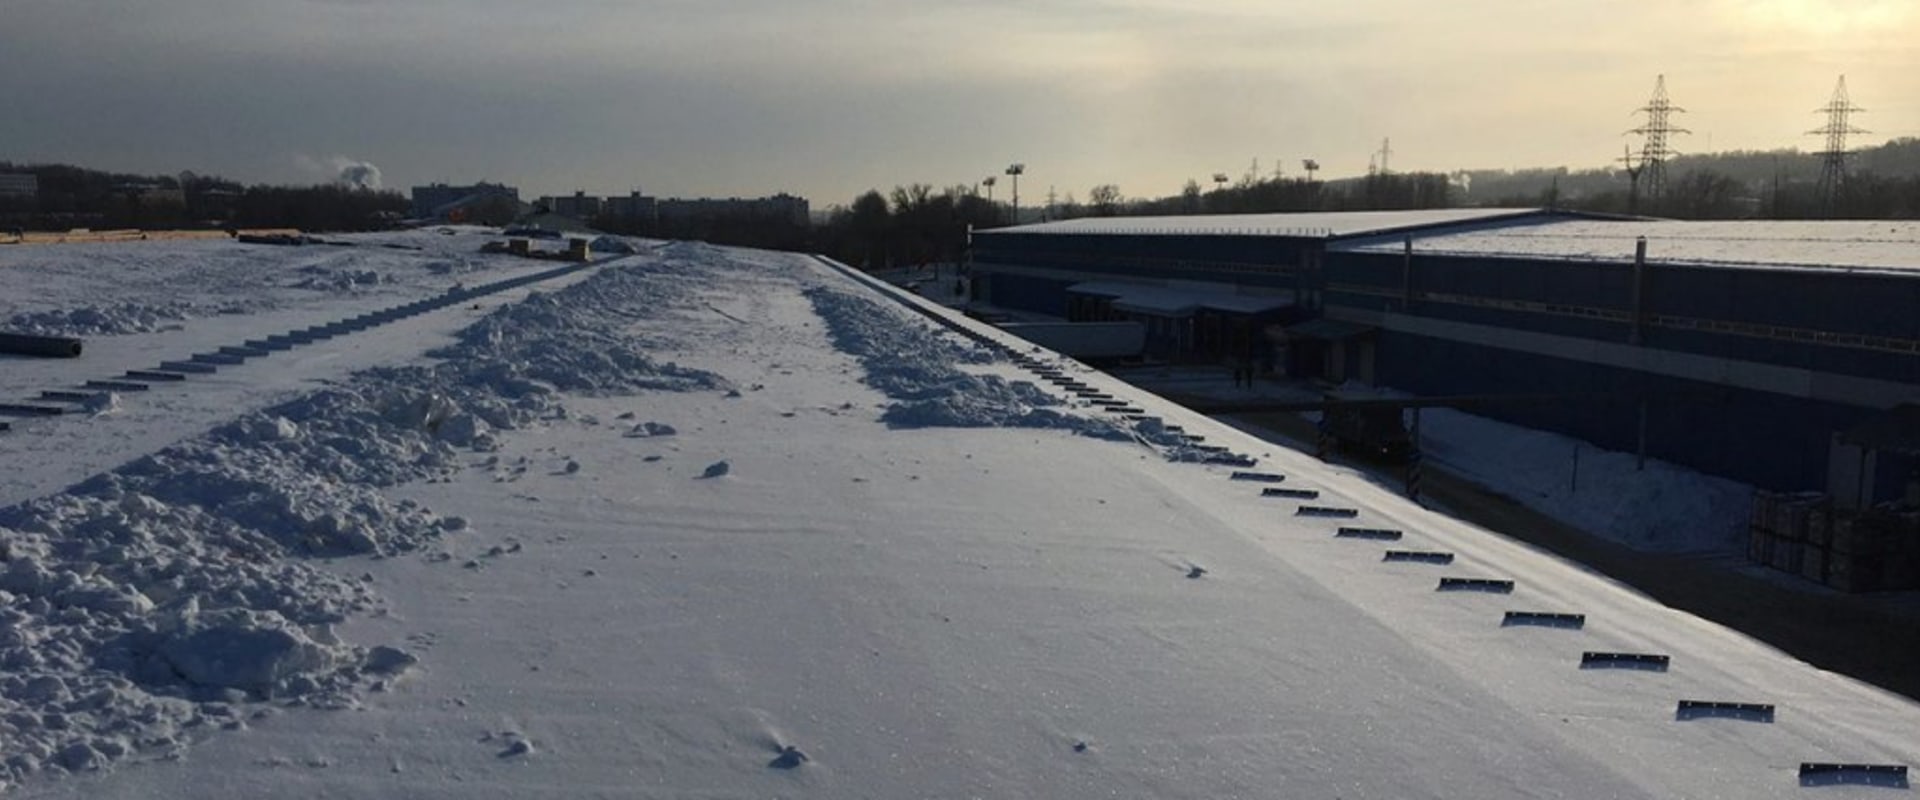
(1172, 301)
(720, 522)
(1308, 225)
(1840, 244)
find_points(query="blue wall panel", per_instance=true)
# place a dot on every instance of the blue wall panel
(1038, 295)
(1769, 440)
(1851, 302)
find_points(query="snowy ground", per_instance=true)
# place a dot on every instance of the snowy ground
(723, 523)
(1661, 507)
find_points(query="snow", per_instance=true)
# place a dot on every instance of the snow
(853, 554)
(1658, 507)
(1661, 508)
(1313, 224)
(1826, 244)
(59, 289)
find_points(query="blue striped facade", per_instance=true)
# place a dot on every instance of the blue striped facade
(1834, 322)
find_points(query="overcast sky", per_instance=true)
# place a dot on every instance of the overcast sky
(826, 98)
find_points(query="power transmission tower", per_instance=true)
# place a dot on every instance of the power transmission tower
(1833, 160)
(1386, 152)
(1654, 150)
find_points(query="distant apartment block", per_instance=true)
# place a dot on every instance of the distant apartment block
(428, 200)
(579, 205)
(783, 207)
(19, 185)
(634, 207)
(644, 210)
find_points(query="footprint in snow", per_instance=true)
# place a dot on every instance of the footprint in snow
(790, 757)
(1196, 571)
(717, 469)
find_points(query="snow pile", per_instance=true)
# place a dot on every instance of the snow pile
(141, 605)
(613, 245)
(646, 430)
(331, 279)
(149, 593)
(111, 320)
(577, 339)
(913, 365)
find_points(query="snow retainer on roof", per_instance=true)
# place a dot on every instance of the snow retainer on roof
(1653, 662)
(1376, 534)
(1544, 619)
(1494, 585)
(42, 346)
(1699, 709)
(1260, 477)
(1827, 774)
(1419, 556)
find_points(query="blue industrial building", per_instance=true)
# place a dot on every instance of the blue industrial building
(1781, 354)
(1204, 287)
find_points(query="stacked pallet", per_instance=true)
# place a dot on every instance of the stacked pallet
(1853, 551)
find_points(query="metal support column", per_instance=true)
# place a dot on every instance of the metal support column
(1636, 334)
(1406, 276)
(1414, 459)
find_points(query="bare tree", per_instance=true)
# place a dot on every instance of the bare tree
(1106, 200)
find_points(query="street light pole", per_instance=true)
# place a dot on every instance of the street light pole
(1016, 170)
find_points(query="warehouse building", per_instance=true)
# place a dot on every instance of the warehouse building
(1204, 287)
(1781, 354)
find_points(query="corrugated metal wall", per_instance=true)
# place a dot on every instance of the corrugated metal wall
(1767, 316)
(1845, 323)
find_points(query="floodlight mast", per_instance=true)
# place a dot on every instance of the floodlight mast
(1016, 170)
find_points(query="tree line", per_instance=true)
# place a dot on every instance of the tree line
(75, 197)
(917, 224)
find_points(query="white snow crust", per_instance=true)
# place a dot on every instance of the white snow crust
(1814, 244)
(1314, 224)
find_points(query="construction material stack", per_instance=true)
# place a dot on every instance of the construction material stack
(1876, 549)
